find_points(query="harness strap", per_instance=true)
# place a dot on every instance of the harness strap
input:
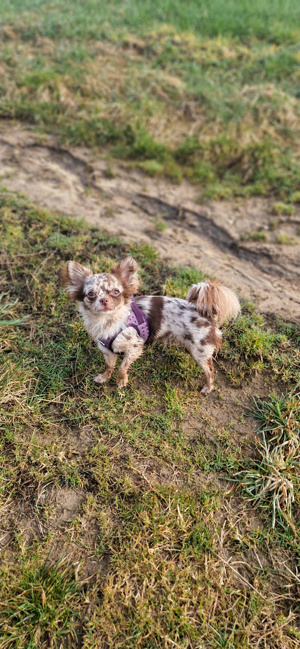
(137, 320)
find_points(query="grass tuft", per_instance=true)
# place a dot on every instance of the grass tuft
(40, 607)
(270, 480)
(279, 418)
(275, 476)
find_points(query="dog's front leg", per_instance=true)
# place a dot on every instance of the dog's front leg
(110, 360)
(131, 344)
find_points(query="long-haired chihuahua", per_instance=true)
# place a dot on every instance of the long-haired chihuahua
(122, 324)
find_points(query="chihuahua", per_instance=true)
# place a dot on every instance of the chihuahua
(122, 324)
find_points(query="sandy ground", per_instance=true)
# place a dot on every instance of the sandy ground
(121, 200)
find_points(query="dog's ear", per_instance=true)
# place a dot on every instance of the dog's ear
(73, 278)
(126, 272)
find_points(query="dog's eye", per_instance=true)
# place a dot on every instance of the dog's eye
(116, 292)
(91, 294)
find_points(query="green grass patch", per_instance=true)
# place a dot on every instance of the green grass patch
(208, 93)
(282, 208)
(254, 236)
(251, 346)
(38, 605)
(212, 18)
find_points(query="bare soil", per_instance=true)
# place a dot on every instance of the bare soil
(121, 200)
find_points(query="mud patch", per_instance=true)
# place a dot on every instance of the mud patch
(226, 406)
(66, 504)
(215, 237)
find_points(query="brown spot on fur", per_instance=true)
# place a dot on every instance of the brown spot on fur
(201, 322)
(117, 299)
(79, 295)
(214, 338)
(189, 337)
(155, 317)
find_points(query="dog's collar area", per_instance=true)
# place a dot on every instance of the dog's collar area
(137, 320)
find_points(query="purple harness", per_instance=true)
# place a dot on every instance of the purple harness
(137, 320)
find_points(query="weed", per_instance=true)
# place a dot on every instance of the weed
(274, 476)
(152, 167)
(159, 224)
(285, 240)
(279, 418)
(254, 236)
(109, 212)
(283, 208)
(271, 480)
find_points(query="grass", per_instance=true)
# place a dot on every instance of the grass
(40, 606)
(284, 240)
(282, 208)
(119, 523)
(7, 309)
(148, 517)
(250, 346)
(90, 21)
(272, 479)
(279, 418)
(275, 476)
(254, 236)
(208, 94)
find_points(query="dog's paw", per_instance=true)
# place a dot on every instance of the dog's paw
(122, 381)
(101, 378)
(206, 390)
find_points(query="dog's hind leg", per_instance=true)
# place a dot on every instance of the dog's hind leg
(204, 359)
(208, 369)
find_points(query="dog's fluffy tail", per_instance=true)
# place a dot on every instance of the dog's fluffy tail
(212, 300)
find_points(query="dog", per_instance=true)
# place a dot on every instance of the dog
(122, 324)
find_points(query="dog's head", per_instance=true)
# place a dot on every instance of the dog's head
(104, 292)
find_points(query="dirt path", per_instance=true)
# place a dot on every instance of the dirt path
(123, 201)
